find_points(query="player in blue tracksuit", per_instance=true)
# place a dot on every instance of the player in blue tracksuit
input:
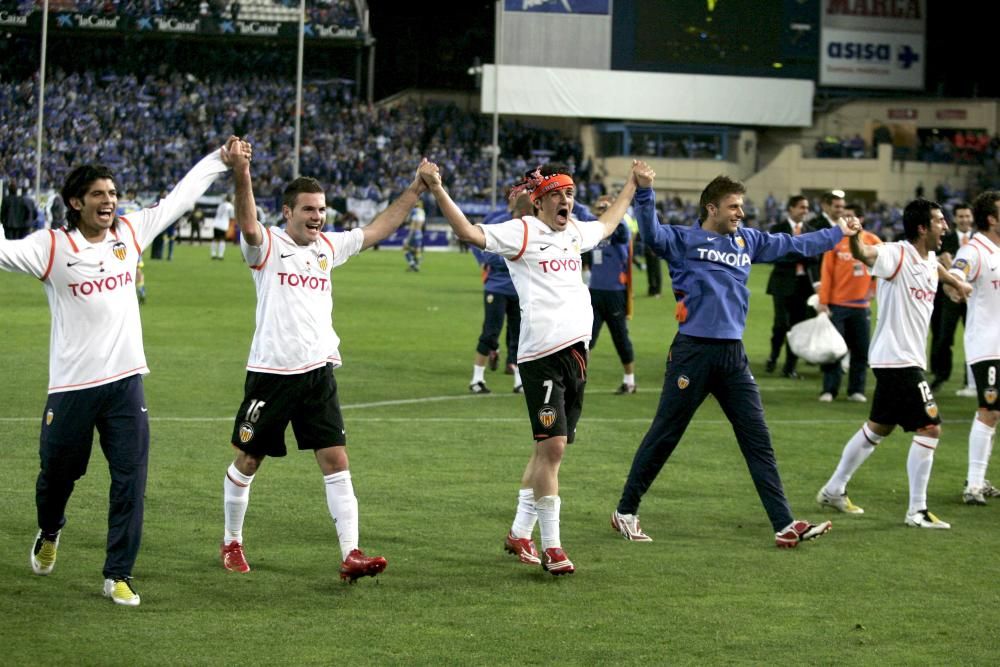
(499, 301)
(611, 293)
(709, 266)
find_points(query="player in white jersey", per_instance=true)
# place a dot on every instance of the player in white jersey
(908, 273)
(220, 227)
(543, 254)
(293, 354)
(978, 263)
(96, 359)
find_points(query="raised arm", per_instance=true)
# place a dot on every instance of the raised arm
(389, 220)
(465, 230)
(614, 214)
(239, 156)
(861, 251)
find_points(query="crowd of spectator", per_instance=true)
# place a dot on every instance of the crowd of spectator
(151, 129)
(341, 13)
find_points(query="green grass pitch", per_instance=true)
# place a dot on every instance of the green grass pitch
(436, 472)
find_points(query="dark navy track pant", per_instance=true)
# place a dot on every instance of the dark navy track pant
(118, 411)
(697, 367)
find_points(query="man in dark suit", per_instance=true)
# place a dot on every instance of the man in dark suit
(947, 313)
(789, 286)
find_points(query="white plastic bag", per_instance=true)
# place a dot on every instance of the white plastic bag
(816, 340)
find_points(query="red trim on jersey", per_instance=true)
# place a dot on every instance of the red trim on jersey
(93, 382)
(303, 369)
(524, 243)
(902, 251)
(975, 239)
(979, 264)
(69, 238)
(554, 348)
(270, 244)
(52, 256)
(135, 240)
(327, 241)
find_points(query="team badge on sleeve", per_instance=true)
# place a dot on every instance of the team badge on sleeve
(990, 395)
(120, 250)
(963, 266)
(683, 382)
(547, 416)
(323, 263)
(246, 432)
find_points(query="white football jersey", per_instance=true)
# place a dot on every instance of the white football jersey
(96, 335)
(978, 262)
(905, 296)
(223, 214)
(294, 331)
(546, 269)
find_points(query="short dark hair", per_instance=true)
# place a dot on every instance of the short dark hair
(721, 186)
(857, 207)
(76, 186)
(983, 207)
(298, 186)
(794, 200)
(917, 213)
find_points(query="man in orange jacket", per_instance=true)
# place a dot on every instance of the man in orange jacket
(845, 292)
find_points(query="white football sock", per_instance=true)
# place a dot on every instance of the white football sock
(235, 498)
(478, 374)
(980, 447)
(548, 520)
(629, 378)
(918, 467)
(856, 451)
(343, 508)
(222, 248)
(526, 516)
(517, 378)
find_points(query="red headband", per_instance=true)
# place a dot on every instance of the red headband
(550, 183)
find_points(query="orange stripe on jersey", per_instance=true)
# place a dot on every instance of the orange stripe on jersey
(554, 348)
(327, 241)
(270, 243)
(135, 240)
(975, 239)
(52, 255)
(69, 238)
(132, 371)
(524, 243)
(902, 249)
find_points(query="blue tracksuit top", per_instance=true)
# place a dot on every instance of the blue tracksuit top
(610, 261)
(497, 278)
(710, 271)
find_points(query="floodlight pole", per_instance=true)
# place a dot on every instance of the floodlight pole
(497, 57)
(298, 87)
(41, 104)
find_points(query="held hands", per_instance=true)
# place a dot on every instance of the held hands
(850, 225)
(960, 294)
(430, 175)
(237, 152)
(643, 174)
